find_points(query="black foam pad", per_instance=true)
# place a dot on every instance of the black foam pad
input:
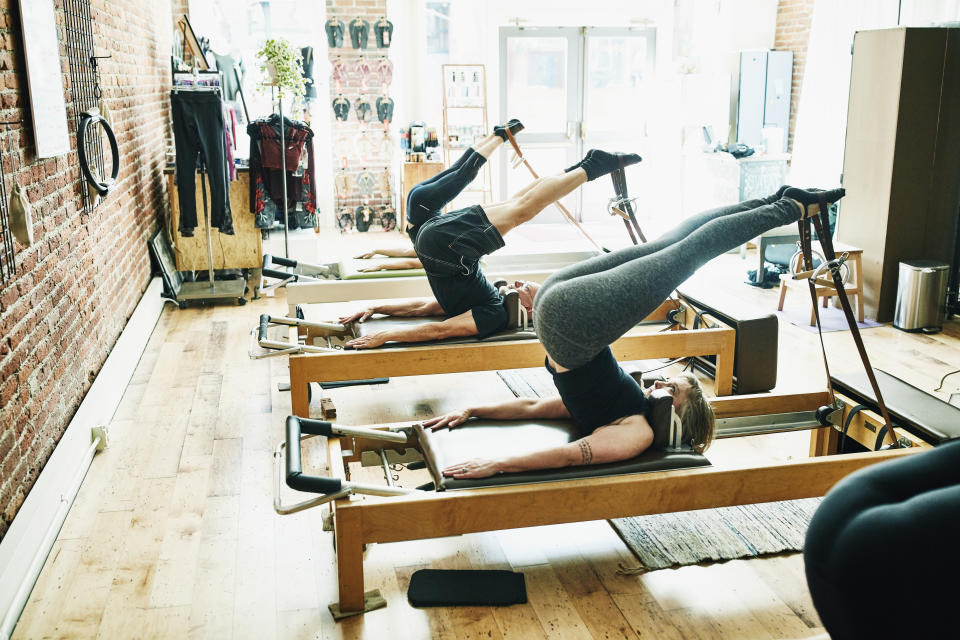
(497, 438)
(466, 587)
(929, 417)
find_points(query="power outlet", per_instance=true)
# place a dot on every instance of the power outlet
(103, 434)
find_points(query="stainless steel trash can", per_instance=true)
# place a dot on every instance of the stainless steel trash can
(921, 295)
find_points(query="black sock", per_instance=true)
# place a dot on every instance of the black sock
(599, 163)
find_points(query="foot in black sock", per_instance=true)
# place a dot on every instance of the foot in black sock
(810, 198)
(514, 125)
(599, 163)
(781, 191)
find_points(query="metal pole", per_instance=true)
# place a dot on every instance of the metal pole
(206, 221)
(283, 175)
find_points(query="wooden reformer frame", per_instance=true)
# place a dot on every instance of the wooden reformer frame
(714, 338)
(361, 520)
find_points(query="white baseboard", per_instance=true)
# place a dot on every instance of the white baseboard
(38, 512)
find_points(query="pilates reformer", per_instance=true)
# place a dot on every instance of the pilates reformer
(657, 481)
(325, 363)
(558, 496)
(346, 282)
(331, 337)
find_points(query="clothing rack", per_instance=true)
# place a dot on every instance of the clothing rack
(205, 81)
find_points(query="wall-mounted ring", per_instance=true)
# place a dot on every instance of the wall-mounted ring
(87, 119)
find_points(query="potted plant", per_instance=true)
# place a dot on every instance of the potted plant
(282, 66)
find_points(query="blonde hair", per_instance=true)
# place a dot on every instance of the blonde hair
(696, 413)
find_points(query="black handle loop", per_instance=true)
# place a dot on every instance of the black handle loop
(102, 186)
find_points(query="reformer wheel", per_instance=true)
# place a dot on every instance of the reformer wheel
(796, 260)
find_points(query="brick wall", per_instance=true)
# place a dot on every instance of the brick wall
(77, 285)
(793, 34)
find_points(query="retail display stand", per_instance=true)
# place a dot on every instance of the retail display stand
(465, 118)
(212, 289)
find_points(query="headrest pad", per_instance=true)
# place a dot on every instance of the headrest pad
(659, 414)
(511, 303)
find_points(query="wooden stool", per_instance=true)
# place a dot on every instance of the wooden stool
(854, 287)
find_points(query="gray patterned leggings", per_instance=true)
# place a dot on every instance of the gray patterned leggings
(584, 307)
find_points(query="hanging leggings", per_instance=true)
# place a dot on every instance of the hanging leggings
(584, 307)
(882, 552)
(426, 200)
(198, 130)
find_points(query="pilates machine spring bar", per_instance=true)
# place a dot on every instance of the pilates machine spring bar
(767, 423)
(330, 488)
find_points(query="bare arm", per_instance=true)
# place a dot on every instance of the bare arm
(390, 252)
(417, 307)
(393, 265)
(518, 409)
(461, 325)
(621, 440)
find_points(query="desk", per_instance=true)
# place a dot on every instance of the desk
(243, 250)
(413, 174)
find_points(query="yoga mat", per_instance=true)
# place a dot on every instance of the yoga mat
(831, 319)
(466, 587)
(710, 535)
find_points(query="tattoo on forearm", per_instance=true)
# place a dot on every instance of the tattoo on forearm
(586, 453)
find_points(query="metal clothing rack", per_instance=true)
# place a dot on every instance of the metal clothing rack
(212, 289)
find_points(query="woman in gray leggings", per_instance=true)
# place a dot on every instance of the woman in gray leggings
(581, 309)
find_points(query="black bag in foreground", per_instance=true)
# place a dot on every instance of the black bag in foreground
(450, 587)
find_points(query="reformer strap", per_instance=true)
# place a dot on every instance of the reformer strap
(567, 215)
(619, 179)
(822, 224)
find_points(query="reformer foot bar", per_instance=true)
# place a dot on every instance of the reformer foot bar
(347, 283)
(658, 481)
(301, 271)
(713, 338)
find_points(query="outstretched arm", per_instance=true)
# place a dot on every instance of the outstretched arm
(390, 252)
(404, 263)
(518, 409)
(621, 440)
(417, 307)
(461, 325)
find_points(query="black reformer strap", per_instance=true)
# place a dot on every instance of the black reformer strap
(822, 224)
(624, 204)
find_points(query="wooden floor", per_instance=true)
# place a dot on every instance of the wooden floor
(173, 534)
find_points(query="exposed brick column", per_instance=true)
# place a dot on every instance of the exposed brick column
(793, 34)
(80, 281)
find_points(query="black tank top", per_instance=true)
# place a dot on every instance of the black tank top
(598, 392)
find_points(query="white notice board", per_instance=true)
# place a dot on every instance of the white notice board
(42, 52)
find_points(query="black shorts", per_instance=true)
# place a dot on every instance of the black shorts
(453, 243)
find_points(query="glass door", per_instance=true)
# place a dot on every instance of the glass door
(618, 73)
(540, 78)
(576, 88)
